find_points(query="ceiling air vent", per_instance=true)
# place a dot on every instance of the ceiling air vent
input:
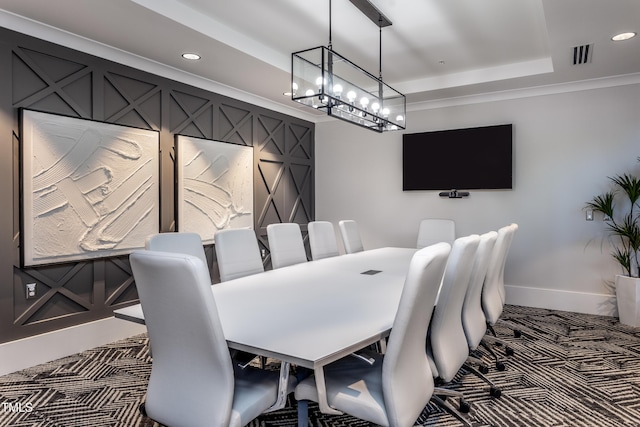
(582, 54)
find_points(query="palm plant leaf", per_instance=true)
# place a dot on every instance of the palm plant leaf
(630, 185)
(626, 226)
(624, 259)
(603, 203)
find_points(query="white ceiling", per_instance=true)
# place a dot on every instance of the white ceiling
(435, 49)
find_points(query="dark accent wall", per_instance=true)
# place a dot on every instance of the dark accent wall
(39, 75)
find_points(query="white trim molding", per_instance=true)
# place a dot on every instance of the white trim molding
(27, 352)
(528, 92)
(553, 299)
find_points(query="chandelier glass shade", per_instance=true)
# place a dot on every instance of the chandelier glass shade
(323, 79)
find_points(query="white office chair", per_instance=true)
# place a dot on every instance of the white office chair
(350, 236)
(285, 244)
(494, 296)
(473, 320)
(193, 381)
(322, 240)
(433, 230)
(503, 293)
(183, 243)
(493, 293)
(447, 347)
(237, 253)
(397, 387)
(190, 244)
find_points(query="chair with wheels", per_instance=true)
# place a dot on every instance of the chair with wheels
(493, 291)
(503, 293)
(322, 240)
(193, 381)
(237, 253)
(285, 244)
(350, 236)
(473, 320)
(395, 389)
(447, 347)
(434, 230)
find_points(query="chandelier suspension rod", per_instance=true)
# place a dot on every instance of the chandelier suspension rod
(380, 85)
(380, 49)
(330, 25)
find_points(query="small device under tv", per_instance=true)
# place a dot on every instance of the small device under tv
(459, 159)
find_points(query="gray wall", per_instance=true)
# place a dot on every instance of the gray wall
(38, 75)
(567, 140)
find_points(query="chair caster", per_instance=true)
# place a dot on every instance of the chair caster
(500, 366)
(517, 333)
(484, 369)
(495, 392)
(142, 409)
(464, 406)
(509, 351)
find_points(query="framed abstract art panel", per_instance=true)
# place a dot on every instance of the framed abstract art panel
(89, 189)
(214, 186)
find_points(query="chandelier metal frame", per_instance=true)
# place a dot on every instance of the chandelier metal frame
(323, 79)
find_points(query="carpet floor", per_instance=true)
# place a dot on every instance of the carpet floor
(568, 370)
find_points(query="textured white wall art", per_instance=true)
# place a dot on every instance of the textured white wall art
(90, 189)
(215, 186)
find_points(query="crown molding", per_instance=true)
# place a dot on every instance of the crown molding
(576, 86)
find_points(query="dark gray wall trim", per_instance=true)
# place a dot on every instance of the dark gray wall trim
(42, 76)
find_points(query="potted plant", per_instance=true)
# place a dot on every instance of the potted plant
(621, 210)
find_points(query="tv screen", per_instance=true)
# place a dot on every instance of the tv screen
(460, 159)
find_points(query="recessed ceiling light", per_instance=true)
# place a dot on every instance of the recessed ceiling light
(191, 56)
(623, 36)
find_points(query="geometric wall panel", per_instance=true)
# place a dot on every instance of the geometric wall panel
(46, 83)
(131, 102)
(285, 166)
(38, 75)
(271, 135)
(61, 293)
(190, 115)
(236, 125)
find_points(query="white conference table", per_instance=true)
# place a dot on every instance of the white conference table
(310, 314)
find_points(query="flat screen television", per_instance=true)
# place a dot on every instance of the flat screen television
(460, 159)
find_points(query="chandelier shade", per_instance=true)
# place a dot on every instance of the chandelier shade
(323, 79)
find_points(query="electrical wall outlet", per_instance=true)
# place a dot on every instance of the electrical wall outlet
(30, 290)
(589, 216)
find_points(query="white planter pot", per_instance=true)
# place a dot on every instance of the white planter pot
(628, 296)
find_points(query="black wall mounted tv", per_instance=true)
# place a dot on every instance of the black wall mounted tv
(460, 159)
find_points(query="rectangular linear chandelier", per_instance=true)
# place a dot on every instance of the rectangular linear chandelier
(323, 79)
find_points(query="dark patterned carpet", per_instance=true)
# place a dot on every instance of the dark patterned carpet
(568, 370)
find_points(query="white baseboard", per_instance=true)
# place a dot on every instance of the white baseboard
(32, 351)
(577, 302)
